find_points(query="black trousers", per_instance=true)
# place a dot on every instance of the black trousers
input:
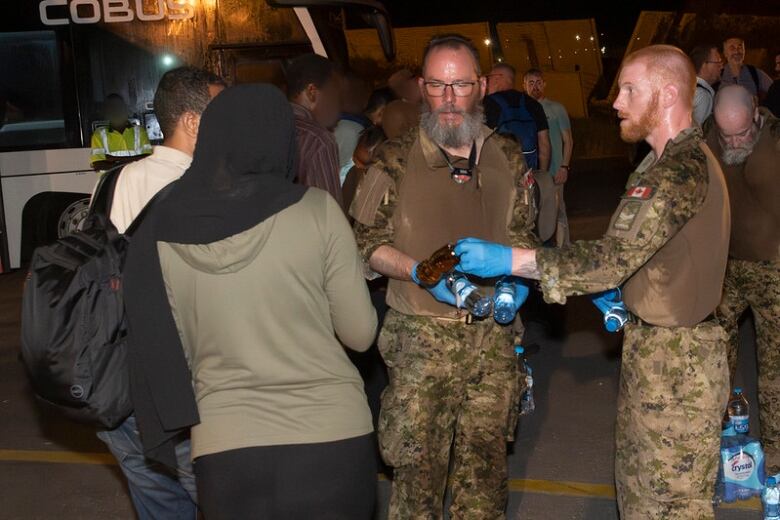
(325, 481)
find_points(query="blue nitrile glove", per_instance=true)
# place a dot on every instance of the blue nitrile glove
(484, 259)
(610, 303)
(521, 293)
(442, 293)
(414, 274)
(607, 299)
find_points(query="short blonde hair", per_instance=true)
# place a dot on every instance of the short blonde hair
(667, 64)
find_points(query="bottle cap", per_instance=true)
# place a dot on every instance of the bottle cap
(770, 481)
(519, 350)
(737, 390)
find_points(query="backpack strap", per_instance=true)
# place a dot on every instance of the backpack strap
(104, 192)
(503, 104)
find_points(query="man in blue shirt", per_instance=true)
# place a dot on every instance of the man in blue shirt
(561, 144)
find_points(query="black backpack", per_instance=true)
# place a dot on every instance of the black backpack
(73, 318)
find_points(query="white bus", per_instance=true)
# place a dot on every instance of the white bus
(59, 59)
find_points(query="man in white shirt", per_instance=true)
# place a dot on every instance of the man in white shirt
(708, 64)
(181, 97)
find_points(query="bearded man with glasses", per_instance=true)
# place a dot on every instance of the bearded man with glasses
(746, 140)
(454, 388)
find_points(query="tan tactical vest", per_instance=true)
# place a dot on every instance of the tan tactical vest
(682, 283)
(433, 210)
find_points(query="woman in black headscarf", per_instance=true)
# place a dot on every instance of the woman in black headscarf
(237, 283)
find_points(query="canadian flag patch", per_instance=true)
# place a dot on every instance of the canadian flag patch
(640, 192)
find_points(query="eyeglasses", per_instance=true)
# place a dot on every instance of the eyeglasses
(459, 88)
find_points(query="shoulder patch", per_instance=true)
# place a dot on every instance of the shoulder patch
(640, 193)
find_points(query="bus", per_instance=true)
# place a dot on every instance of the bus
(59, 59)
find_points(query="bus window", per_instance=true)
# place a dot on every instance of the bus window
(31, 114)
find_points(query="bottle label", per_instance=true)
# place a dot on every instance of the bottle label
(739, 467)
(740, 423)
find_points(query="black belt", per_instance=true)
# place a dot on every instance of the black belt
(636, 320)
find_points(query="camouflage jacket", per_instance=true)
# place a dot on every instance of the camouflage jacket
(678, 182)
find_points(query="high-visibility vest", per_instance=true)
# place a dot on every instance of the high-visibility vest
(130, 143)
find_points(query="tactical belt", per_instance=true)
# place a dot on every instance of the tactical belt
(636, 320)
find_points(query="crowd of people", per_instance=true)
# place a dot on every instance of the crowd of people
(246, 280)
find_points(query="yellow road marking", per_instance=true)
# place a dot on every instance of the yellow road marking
(519, 485)
(57, 457)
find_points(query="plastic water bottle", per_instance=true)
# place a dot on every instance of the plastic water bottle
(505, 305)
(611, 304)
(770, 499)
(527, 404)
(469, 296)
(739, 411)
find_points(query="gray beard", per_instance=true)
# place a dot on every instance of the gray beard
(734, 156)
(452, 136)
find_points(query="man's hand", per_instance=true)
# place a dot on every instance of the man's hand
(442, 293)
(561, 176)
(482, 258)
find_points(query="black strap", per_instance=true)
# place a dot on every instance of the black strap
(104, 192)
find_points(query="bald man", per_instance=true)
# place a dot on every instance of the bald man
(746, 139)
(666, 247)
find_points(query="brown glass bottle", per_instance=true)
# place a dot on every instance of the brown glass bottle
(441, 262)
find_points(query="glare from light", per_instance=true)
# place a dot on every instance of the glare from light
(603, 50)
(167, 60)
(500, 60)
(487, 41)
(592, 38)
(577, 37)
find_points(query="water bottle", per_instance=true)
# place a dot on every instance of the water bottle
(527, 404)
(615, 313)
(505, 304)
(770, 499)
(739, 411)
(469, 296)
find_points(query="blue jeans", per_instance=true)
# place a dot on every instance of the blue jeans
(158, 492)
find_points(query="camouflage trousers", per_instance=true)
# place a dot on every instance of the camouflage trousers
(757, 285)
(453, 393)
(673, 388)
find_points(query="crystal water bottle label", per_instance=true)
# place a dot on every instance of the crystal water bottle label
(740, 423)
(739, 467)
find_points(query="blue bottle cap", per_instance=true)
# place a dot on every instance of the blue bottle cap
(737, 390)
(519, 349)
(770, 481)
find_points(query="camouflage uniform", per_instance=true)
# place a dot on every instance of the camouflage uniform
(673, 383)
(757, 285)
(454, 387)
(450, 388)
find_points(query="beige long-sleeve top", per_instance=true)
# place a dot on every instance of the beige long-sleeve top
(260, 315)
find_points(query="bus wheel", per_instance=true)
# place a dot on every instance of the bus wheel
(72, 217)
